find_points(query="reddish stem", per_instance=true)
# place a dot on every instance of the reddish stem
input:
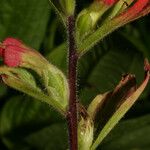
(72, 76)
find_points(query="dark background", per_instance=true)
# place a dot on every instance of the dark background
(27, 124)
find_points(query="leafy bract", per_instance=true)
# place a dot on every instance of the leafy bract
(55, 85)
(112, 106)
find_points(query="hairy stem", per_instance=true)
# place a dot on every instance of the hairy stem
(72, 76)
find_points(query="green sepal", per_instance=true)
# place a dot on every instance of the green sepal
(53, 80)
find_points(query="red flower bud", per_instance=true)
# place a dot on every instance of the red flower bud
(16, 54)
(11, 51)
(12, 56)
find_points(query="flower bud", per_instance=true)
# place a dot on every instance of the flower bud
(16, 55)
(84, 24)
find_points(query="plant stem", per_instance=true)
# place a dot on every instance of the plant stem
(72, 76)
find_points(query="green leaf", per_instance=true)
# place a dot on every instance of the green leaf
(52, 137)
(129, 135)
(134, 34)
(22, 117)
(56, 85)
(25, 20)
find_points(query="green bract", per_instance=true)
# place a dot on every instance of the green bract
(54, 89)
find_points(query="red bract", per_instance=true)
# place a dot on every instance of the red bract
(17, 54)
(134, 10)
(12, 56)
(11, 51)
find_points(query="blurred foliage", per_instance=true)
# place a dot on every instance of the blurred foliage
(26, 124)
